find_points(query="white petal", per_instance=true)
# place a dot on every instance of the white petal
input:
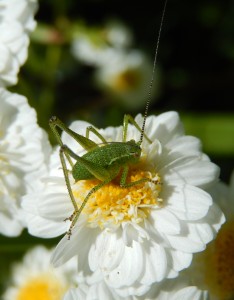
(55, 206)
(135, 289)
(66, 249)
(76, 294)
(107, 251)
(155, 264)
(164, 127)
(133, 232)
(184, 145)
(186, 293)
(102, 291)
(41, 227)
(10, 225)
(187, 202)
(129, 269)
(186, 244)
(164, 221)
(215, 217)
(191, 170)
(180, 260)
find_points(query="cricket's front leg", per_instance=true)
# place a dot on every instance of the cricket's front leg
(94, 131)
(127, 119)
(124, 175)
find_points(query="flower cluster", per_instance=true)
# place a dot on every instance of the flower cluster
(24, 146)
(143, 204)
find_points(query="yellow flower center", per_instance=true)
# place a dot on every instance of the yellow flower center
(126, 80)
(42, 287)
(112, 204)
(219, 263)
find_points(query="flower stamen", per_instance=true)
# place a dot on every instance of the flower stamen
(112, 204)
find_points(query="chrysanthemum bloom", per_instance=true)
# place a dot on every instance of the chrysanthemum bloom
(24, 150)
(35, 278)
(16, 22)
(133, 237)
(212, 269)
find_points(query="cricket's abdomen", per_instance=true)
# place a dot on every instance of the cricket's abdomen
(107, 156)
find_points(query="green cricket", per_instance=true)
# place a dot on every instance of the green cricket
(105, 160)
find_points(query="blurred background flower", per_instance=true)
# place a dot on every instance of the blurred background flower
(35, 278)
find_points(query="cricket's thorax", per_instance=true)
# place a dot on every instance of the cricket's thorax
(112, 155)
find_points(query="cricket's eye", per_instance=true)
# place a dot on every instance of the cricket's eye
(136, 154)
(53, 119)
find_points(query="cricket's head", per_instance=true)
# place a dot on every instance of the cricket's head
(134, 150)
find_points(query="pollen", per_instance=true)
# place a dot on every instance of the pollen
(112, 204)
(220, 263)
(43, 287)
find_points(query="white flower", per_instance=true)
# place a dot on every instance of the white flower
(24, 150)
(212, 269)
(22, 11)
(137, 236)
(16, 21)
(169, 289)
(35, 277)
(124, 76)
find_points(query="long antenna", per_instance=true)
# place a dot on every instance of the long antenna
(153, 73)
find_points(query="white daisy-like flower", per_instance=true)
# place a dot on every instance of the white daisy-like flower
(124, 76)
(137, 236)
(35, 277)
(212, 269)
(16, 21)
(24, 151)
(170, 289)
